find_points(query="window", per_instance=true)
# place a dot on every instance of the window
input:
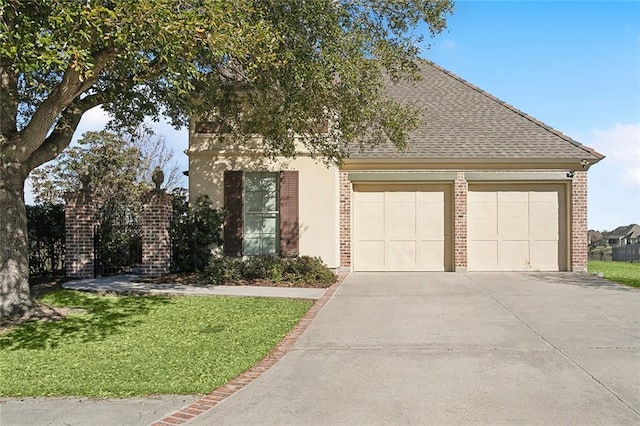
(261, 213)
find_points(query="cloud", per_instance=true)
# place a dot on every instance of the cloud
(621, 145)
(93, 120)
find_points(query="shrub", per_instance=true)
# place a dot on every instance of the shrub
(195, 226)
(308, 269)
(267, 267)
(297, 270)
(222, 270)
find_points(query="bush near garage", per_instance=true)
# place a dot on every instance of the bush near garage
(293, 271)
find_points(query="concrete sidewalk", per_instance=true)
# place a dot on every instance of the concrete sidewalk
(127, 284)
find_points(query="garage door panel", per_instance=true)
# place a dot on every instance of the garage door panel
(528, 227)
(370, 218)
(515, 255)
(482, 228)
(545, 255)
(544, 228)
(514, 228)
(402, 254)
(483, 255)
(401, 229)
(400, 214)
(370, 255)
(431, 255)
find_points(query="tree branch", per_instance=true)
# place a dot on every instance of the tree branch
(61, 136)
(57, 103)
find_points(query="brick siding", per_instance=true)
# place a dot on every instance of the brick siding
(156, 244)
(460, 189)
(579, 241)
(81, 217)
(345, 220)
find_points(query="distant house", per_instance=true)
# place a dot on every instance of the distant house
(623, 235)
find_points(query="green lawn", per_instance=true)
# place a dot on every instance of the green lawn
(125, 346)
(620, 272)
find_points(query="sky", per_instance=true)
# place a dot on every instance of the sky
(574, 65)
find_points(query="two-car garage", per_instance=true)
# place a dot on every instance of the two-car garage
(509, 227)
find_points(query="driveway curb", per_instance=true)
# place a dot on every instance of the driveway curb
(207, 402)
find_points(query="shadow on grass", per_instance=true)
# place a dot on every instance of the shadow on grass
(104, 316)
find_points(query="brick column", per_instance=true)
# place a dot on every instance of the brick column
(460, 189)
(345, 220)
(81, 217)
(155, 220)
(579, 239)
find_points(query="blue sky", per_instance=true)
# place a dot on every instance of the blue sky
(574, 65)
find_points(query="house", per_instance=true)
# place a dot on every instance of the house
(481, 187)
(623, 235)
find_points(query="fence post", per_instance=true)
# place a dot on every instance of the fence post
(81, 215)
(155, 221)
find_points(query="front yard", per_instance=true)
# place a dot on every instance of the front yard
(114, 346)
(620, 272)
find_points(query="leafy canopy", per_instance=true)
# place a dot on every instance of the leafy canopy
(294, 62)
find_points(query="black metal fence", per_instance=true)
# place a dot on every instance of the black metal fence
(117, 249)
(45, 225)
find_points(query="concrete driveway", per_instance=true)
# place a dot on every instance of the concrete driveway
(451, 348)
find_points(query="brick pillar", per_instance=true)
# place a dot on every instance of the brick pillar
(155, 220)
(345, 220)
(579, 239)
(460, 223)
(81, 217)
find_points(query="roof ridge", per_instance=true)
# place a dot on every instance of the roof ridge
(516, 110)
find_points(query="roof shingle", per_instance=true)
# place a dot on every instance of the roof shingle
(460, 121)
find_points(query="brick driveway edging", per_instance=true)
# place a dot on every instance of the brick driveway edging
(207, 402)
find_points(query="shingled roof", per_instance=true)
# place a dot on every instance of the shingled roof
(461, 121)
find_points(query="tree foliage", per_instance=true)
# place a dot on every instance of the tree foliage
(272, 67)
(295, 61)
(118, 165)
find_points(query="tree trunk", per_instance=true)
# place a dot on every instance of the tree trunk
(15, 299)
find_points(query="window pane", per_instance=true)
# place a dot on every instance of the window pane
(253, 202)
(269, 183)
(251, 246)
(270, 203)
(252, 224)
(269, 246)
(269, 226)
(252, 182)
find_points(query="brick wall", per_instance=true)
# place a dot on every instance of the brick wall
(579, 242)
(460, 189)
(81, 217)
(345, 220)
(156, 244)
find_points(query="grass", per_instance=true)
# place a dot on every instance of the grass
(126, 346)
(620, 272)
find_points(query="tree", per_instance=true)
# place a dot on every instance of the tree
(119, 167)
(270, 67)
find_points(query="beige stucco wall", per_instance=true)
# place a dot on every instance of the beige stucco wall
(318, 193)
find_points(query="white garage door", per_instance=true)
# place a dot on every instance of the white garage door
(401, 228)
(516, 229)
